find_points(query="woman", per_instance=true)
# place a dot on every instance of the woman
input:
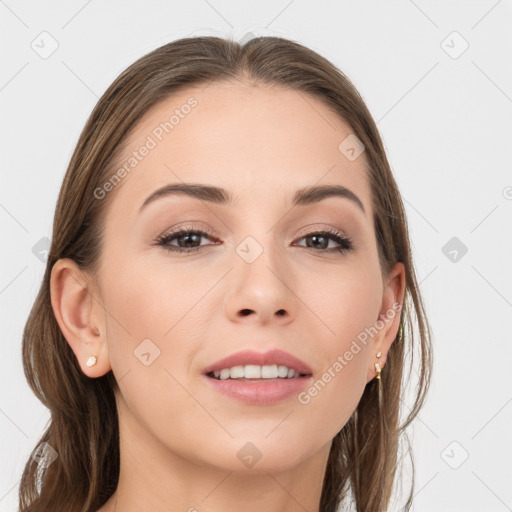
(229, 295)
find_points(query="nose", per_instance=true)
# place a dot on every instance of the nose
(261, 291)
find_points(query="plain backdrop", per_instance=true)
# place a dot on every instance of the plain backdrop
(437, 77)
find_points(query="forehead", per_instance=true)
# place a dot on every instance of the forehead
(258, 141)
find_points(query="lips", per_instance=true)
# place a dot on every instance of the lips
(276, 356)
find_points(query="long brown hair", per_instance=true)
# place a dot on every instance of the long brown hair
(83, 429)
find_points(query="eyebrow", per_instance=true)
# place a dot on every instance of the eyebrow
(303, 196)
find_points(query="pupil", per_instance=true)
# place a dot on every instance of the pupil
(188, 236)
(316, 237)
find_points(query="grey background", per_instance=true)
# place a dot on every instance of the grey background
(444, 113)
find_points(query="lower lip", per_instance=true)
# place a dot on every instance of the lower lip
(260, 392)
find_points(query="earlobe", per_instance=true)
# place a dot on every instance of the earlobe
(73, 304)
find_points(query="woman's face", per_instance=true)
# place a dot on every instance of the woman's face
(258, 279)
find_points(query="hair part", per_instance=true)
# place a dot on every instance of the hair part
(84, 427)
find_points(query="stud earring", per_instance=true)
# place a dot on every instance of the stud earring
(379, 353)
(91, 361)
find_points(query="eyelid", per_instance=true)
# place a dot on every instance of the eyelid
(314, 228)
(310, 229)
(344, 242)
(188, 226)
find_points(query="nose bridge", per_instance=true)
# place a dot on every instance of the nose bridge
(259, 241)
(260, 280)
(262, 259)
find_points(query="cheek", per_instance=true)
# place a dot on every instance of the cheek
(343, 301)
(148, 299)
(150, 311)
(346, 305)
(157, 316)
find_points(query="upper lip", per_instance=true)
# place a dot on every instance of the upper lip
(276, 356)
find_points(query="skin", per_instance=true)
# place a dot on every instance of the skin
(179, 438)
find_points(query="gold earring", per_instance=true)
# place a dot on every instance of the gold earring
(92, 360)
(378, 370)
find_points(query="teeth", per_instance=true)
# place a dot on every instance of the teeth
(224, 374)
(253, 371)
(283, 371)
(236, 372)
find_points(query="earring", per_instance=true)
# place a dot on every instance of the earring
(91, 361)
(377, 366)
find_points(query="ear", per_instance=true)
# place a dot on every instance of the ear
(388, 322)
(77, 312)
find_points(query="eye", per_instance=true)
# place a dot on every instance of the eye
(187, 237)
(320, 239)
(189, 240)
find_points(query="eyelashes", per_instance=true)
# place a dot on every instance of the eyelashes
(190, 235)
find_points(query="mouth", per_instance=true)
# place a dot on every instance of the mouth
(257, 378)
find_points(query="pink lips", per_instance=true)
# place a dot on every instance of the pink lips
(260, 391)
(264, 392)
(276, 356)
